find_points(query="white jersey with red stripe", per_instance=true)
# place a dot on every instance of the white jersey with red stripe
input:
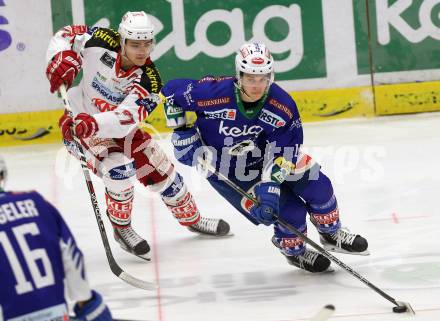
(116, 98)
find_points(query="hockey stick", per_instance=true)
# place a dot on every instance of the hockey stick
(111, 260)
(400, 306)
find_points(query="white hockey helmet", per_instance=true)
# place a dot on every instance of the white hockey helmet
(136, 25)
(254, 58)
(3, 173)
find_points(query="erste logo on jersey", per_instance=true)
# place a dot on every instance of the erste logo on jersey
(228, 114)
(237, 132)
(271, 119)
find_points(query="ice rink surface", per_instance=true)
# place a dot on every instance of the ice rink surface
(386, 175)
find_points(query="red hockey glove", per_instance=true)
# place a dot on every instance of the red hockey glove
(65, 123)
(63, 68)
(85, 125)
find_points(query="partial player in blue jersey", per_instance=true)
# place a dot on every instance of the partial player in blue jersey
(40, 262)
(251, 130)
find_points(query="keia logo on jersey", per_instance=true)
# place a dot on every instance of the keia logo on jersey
(228, 114)
(237, 132)
(271, 119)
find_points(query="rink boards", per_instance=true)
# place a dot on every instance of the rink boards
(316, 105)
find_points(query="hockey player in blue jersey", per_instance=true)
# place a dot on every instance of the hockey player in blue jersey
(252, 132)
(37, 255)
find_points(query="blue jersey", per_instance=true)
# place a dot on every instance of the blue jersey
(37, 252)
(234, 131)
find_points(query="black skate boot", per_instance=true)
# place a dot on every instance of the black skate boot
(310, 260)
(343, 241)
(210, 226)
(131, 242)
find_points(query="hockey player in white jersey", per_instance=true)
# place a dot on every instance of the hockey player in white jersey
(117, 92)
(40, 262)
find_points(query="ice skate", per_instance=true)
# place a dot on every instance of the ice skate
(131, 242)
(210, 226)
(343, 241)
(309, 260)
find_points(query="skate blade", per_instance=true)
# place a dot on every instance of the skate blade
(330, 269)
(145, 256)
(211, 236)
(335, 249)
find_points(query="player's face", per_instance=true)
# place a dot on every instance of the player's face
(255, 85)
(137, 51)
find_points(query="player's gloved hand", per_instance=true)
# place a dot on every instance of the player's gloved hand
(186, 141)
(85, 125)
(94, 310)
(65, 123)
(268, 195)
(63, 68)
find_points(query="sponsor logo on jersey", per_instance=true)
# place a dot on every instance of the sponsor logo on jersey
(245, 202)
(173, 110)
(187, 94)
(102, 105)
(107, 93)
(241, 148)
(108, 60)
(296, 124)
(274, 190)
(154, 77)
(213, 102)
(122, 172)
(324, 219)
(106, 37)
(226, 113)
(292, 241)
(281, 107)
(271, 119)
(101, 77)
(237, 132)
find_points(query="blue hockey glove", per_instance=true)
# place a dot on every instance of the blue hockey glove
(268, 195)
(94, 310)
(186, 141)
